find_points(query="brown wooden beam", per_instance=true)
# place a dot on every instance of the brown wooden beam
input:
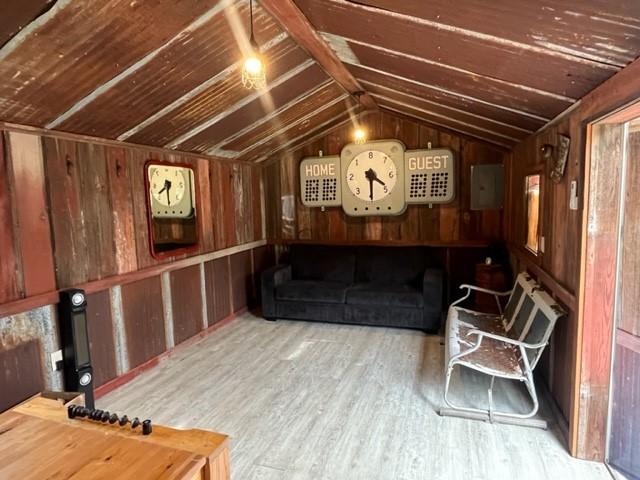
(303, 32)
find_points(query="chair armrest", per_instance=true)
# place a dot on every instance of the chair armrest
(495, 294)
(270, 279)
(485, 290)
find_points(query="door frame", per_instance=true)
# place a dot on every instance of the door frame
(597, 307)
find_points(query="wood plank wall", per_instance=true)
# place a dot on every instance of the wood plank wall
(73, 214)
(452, 224)
(574, 353)
(561, 228)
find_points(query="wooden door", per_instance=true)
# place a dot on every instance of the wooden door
(624, 427)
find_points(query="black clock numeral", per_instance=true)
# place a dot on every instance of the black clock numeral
(391, 174)
(386, 190)
(370, 154)
(357, 191)
(351, 176)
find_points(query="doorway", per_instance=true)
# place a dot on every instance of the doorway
(623, 442)
(610, 293)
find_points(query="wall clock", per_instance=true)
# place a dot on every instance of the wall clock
(171, 192)
(171, 206)
(378, 178)
(373, 178)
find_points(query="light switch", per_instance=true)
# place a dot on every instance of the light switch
(56, 360)
(573, 202)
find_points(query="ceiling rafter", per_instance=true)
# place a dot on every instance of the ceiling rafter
(300, 29)
(321, 130)
(266, 118)
(197, 23)
(453, 109)
(593, 60)
(199, 89)
(291, 125)
(458, 131)
(175, 143)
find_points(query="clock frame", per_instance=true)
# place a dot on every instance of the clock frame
(173, 228)
(373, 178)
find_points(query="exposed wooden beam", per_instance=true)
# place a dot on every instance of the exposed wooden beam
(303, 32)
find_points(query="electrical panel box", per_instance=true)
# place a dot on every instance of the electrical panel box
(320, 184)
(487, 187)
(429, 176)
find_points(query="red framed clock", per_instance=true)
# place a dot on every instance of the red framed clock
(172, 193)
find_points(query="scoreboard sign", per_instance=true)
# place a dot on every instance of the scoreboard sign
(378, 178)
(320, 181)
(429, 176)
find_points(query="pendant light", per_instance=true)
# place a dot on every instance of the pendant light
(360, 133)
(253, 69)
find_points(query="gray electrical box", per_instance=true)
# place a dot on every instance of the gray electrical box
(487, 187)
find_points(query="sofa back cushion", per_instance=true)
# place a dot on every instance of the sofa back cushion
(318, 262)
(391, 265)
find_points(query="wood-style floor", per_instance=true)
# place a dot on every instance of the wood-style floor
(311, 401)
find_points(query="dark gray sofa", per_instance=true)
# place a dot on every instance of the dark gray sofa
(383, 286)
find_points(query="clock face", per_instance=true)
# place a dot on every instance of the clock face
(167, 185)
(371, 175)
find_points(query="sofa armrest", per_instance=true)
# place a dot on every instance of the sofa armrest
(432, 285)
(271, 278)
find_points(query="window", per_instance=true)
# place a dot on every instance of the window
(532, 196)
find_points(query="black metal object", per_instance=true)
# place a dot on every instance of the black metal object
(78, 373)
(103, 416)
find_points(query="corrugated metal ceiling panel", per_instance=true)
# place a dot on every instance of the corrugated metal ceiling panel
(165, 73)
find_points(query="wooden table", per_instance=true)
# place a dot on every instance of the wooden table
(37, 441)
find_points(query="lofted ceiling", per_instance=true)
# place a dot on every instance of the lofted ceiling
(166, 73)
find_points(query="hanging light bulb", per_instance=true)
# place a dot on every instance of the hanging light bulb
(253, 69)
(360, 133)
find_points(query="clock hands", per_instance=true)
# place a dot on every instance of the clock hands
(372, 176)
(166, 187)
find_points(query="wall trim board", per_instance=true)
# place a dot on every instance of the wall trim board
(384, 243)
(51, 298)
(563, 293)
(152, 362)
(76, 137)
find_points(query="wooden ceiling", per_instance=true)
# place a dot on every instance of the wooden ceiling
(166, 73)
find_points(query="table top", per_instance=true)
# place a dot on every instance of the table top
(38, 441)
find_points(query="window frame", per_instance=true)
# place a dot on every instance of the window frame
(525, 234)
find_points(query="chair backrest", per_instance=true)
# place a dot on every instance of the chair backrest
(542, 319)
(516, 313)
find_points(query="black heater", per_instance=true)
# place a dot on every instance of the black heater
(78, 375)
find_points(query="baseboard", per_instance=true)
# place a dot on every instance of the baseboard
(562, 422)
(136, 371)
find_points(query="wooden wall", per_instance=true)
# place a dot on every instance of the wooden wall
(287, 219)
(561, 229)
(73, 214)
(577, 348)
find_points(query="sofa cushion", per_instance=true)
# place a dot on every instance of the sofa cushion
(326, 263)
(312, 291)
(385, 266)
(385, 295)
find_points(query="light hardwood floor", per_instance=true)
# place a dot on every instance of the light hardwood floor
(307, 401)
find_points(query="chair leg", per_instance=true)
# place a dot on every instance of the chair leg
(532, 392)
(490, 392)
(491, 414)
(447, 382)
